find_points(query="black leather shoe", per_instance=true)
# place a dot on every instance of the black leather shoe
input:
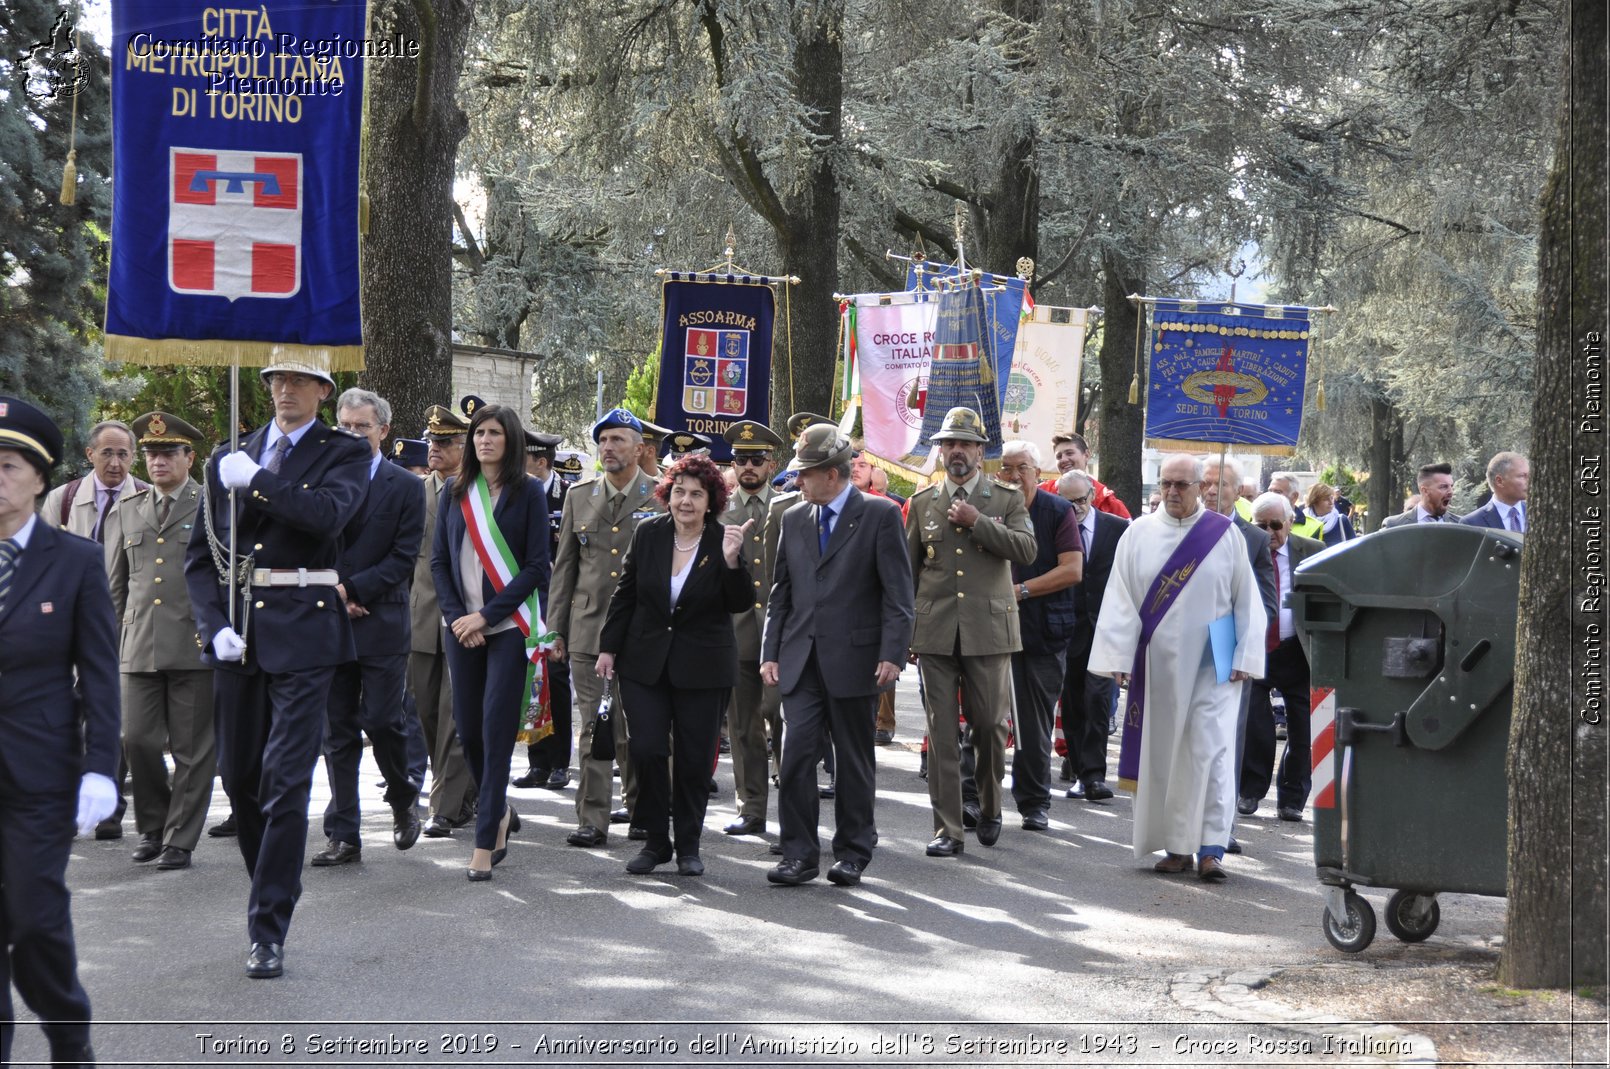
(465, 816)
(844, 873)
(149, 849)
(1076, 791)
(266, 961)
(174, 857)
(715, 788)
(1034, 820)
(970, 814)
(1234, 847)
(1096, 790)
(989, 830)
(646, 862)
(945, 846)
(1291, 813)
(534, 777)
(64, 1054)
(110, 828)
(621, 816)
(558, 779)
(405, 826)
(438, 829)
(587, 835)
(745, 826)
(1065, 774)
(478, 875)
(690, 865)
(775, 849)
(792, 872)
(337, 853)
(725, 745)
(826, 792)
(1246, 806)
(636, 834)
(224, 829)
(882, 738)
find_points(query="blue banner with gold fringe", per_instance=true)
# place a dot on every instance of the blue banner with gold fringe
(235, 136)
(715, 356)
(1226, 374)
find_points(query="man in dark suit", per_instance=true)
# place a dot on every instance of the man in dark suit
(60, 747)
(548, 759)
(298, 482)
(1286, 670)
(369, 695)
(1436, 490)
(838, 625)
(1508, 475)
(1086, 698)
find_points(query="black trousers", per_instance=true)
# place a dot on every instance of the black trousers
(1287, 672)
(37, 952)
(367, 697)
(673, 734)
(814, 721)
(1036, 681)
(553, 752)
(270, 728)
(1086, 709)
(489, 698)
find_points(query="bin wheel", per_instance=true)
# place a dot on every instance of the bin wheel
(1412, 917)
(1355, 931)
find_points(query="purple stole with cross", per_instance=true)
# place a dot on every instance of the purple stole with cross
(1160, 597)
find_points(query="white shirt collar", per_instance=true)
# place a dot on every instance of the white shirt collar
(837, 504)
(25, 532)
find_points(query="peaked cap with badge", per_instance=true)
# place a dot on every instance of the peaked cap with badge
(687, 443)
(31, 433)
(410, 452)
(160, 431)
(442, 423)
(801, 420)
(747, 436)
(538, 444)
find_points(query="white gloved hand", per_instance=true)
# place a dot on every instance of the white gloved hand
(237, 469)
(97, 798)
(227, 646)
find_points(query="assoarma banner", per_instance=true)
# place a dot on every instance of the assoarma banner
(894, 337)
(235, 206)
(715, 357)
(1042, 397)
(1226, 375)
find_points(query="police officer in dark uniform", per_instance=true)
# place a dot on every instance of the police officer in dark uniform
(298, 482)
(549, 757)
(60, 739)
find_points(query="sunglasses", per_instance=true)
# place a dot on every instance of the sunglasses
(754, 462)
(1169, 484)
(1271, 525)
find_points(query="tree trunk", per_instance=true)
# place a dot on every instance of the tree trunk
(1555, 933)
(408, 253)
(1384, 493)
(1012, 226)
(1122, 424)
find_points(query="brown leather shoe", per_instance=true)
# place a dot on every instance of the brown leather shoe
(1173, 864)
(1210, 869)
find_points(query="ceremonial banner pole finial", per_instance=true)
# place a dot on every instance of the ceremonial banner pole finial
(731, 246)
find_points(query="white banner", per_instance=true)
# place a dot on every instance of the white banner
(1042, 396)
(893, 346)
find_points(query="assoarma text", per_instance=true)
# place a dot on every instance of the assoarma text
(717, 319)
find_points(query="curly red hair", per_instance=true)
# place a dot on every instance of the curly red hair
(698, 467)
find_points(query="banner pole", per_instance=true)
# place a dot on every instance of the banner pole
(234, 446)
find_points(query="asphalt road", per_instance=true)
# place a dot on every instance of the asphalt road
(1059, 936)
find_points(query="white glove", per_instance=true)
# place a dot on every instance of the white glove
(97, 798)
(227, 646)
(237, 469)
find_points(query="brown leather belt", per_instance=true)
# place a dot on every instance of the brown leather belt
(295, 577)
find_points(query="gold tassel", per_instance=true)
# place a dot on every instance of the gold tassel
(1134, 390)
(69, 178)
(1319, 398)
(363, 214)
(986, 371)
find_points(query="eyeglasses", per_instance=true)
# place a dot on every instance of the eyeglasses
(1035, 468)
(1080, 500)
(1271, 525)
(1166, 485)
(357, 428)
(755, 462)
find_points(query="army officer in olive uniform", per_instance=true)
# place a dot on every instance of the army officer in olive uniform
(753, 704)
(167, 691)
(964, 535)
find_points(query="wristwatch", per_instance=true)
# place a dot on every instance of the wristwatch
(1022, 591)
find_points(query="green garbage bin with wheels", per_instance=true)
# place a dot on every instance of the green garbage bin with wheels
(1410, 635)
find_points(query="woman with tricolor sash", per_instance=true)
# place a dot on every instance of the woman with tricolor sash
(490, 564)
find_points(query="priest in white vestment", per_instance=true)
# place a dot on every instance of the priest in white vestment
(1185, 782)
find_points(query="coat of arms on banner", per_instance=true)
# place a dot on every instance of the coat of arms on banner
(235, 223)
(716, 373)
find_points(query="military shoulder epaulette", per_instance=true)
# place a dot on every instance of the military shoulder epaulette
(1006, 486)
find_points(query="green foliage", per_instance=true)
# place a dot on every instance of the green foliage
(639, 397)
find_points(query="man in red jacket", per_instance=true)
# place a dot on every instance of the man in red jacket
(1073, 454)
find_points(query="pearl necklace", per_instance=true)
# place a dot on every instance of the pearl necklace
(680, 548)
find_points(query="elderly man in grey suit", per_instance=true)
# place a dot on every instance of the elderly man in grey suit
(838, 625)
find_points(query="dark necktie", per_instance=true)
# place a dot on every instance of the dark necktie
(164, 509)
(824, 526)
(8, 567)
(1273, 638)
(100, 517)
(276, 458)
(1515, 523)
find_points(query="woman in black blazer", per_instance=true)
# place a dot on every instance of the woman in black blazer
(670, 628)
(486, 649)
